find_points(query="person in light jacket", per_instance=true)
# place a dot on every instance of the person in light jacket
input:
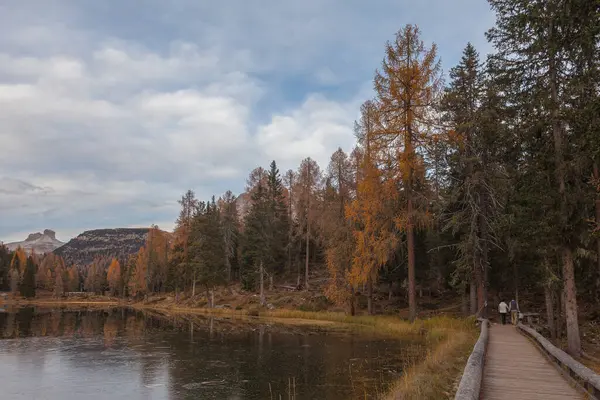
(513, 307)
(503, 309)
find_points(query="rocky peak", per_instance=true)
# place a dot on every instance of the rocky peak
(37, 242)
(50, 233)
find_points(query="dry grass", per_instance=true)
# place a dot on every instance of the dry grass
(438, 375)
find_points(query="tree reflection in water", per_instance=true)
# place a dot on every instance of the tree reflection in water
(185, 356)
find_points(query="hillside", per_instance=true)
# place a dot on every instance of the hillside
(40, 243)
(119, 243)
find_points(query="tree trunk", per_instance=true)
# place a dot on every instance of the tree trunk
(550, 311)
(228, 265)
(597, 179)
(412, 301)
(270, 283)
(464, 306)
(559, 314)
(484, 231)
(370, 294)
(208, 297)
(194, 286)
(212, 298)
(352, 303)
(307, 252)
(262, 286)
(473, 296)
(573, 338)
(390, 291)
(478, 282)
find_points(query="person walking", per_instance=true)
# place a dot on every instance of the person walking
(503, 309)
(513, 307)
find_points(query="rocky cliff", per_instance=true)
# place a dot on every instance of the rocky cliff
(40, 243)
(102, 243)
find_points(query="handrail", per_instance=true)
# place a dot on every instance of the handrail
(470, 383)
(579, 372)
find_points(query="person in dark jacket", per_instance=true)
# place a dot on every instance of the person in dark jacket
(513, 307)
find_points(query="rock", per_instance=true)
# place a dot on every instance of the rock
(270, 306)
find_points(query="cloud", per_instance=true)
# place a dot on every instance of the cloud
(109, 112)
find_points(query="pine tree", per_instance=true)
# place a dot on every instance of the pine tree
(532, 42)
(27, 286)
(231, 230)
(256, 251)
(278, 222)
(207, 249)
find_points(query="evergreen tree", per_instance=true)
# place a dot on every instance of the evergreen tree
(207, 249)
(231, 231)
(278, 221)
(27, 286)
(533, 40)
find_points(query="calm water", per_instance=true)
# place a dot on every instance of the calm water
(122, 354)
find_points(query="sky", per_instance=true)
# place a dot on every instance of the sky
(110, 110)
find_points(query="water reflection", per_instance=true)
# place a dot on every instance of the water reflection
(121, 353)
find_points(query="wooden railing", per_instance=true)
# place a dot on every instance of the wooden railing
(470, 383)
(587, 378)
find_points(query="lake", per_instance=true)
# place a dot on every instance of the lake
(125, 354)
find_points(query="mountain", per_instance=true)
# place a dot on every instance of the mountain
(40, 242)
(102, 243)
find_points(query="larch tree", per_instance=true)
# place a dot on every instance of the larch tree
(308, 183)
(179, 258)
(337, 231)
(114, 277)
(372, 211)
(408, 87)
(289, 181)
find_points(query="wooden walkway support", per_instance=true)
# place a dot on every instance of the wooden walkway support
(516, 369)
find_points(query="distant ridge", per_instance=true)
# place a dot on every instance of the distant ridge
(102, 243)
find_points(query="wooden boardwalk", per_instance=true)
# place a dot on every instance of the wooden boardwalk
(516, 369)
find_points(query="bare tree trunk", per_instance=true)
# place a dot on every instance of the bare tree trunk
(352, 303)
(464, 306)
(483, 228)
(412, 301)
(560, 300)
(478, 281)
(473, 296)
(370, 298)
(228, 265)
(390, 291)
(307, 252)
(550, 311)
(262, 286)
(270, 283)
(208, 297)
(597, 178)
(212, 298)
(573, 338)
(194, 285)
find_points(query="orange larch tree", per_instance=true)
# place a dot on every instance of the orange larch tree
(408, 87)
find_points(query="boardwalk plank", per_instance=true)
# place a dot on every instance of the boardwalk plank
(515, 369)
